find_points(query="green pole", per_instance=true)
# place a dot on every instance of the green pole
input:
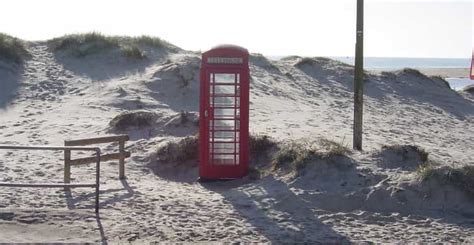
(359, 77)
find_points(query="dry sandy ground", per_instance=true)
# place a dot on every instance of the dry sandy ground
(365, 196)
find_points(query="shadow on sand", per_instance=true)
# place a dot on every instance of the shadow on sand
(72, 203)
(9, 84)
(103, 238)
(187, 172)
(100, 66)
(276, 212)
(288, 211)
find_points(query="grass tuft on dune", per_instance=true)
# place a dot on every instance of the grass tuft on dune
(413, 72)
(299, 154)
(405, 150)
(133, 119)
(317, 62)
(179, 151)
(133, 52)
(81, 45)
(460, 177)
(12, 49)
(261, 144)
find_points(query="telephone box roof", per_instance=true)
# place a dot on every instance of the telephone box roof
(228, 46)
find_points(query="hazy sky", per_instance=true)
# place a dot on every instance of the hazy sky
(398, 28)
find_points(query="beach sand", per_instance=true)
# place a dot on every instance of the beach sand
(376, 195)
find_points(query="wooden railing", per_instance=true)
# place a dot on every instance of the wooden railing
(120, 155)
(96, 159)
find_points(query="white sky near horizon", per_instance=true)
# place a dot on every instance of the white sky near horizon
(393, 28)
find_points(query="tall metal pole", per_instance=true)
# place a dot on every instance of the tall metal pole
(359, 78)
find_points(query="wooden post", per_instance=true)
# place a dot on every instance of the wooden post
(67, 166)
(97, 180)
(359, 78)
(122, 159)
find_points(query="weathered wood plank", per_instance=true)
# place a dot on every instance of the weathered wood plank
(98, 140)
(67, 166)
(107, 157)
(53, 148)
(42, 185)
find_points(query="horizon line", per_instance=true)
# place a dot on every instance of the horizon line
(381, 57)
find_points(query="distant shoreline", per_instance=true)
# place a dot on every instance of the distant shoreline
(442, 72)
(443, 67)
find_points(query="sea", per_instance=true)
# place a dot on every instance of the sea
(399, 63)
(456, 83)
(387, 63)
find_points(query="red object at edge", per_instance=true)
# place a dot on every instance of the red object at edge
(472, 67)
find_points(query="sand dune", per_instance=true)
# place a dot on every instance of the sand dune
(383, 194)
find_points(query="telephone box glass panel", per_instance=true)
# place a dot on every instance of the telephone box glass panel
(224, 122)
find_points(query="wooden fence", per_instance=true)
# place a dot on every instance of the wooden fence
(120, 155)
(96, 159)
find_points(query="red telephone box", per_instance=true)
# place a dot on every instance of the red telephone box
(224, 113)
